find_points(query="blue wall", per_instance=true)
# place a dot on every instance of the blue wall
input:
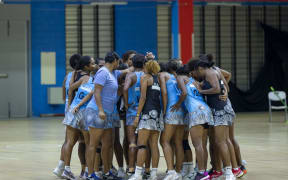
(47, 34)
(175, 29)
(136, 27)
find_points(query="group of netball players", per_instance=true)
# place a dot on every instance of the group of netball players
(167, 101)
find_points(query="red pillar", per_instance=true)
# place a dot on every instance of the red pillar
(186, 29)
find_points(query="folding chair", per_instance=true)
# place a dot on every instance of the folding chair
(277, 96)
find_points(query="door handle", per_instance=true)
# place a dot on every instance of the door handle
(3, 75)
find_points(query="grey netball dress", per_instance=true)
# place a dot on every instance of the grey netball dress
(150, 116)
(222, 111)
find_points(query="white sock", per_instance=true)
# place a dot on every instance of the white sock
(190, 167)
(184, 167)
(171, 171)
(61, 164)
(67, 168)
(228, 170)
(138, 171)
(154, 172)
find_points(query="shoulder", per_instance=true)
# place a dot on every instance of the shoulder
(145, 77)
(131, 74)
(102, 71)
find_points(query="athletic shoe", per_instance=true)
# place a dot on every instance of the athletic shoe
(111, 176)
(184, 171)
(68, 175)
(179, 176)
(229, 175)
(190, 176)
(237, 173)
(94, 177)
(152, 178)
(243, 169)
(135, 177)
(146, 175)
(200, 176)
(58, 172)
(171, 176)
(216, 175)
(121, 173)
(210, 172)
(82, 175)
(130, 174)
(114, 170)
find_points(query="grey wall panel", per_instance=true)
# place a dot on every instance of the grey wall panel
(71, 32)
(284, 18)
(242, 48)
(89, 31)
(257, 40)
(164, 32)
(197, 31)
(210, 30)
(106, 33)
(272, 16)
(226, 38)
(19, 12)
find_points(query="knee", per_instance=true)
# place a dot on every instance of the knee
(164, 142)
(107, 145)
(220, 142)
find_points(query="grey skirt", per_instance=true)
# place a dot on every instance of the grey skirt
(151, 121)
(175, 118)
(225, 116)
(75, 120)
(93, 120)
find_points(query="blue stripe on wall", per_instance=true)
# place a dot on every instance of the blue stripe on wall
(47, 34)
(136, 27)
(175, 29)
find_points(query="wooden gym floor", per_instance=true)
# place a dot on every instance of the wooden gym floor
(30, 148)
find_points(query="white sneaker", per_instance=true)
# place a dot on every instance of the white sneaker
(171, 176)
(184, 172)
(190, 176)
(229, 175)
(135, 177)
(58, 172)
(121, 173)
(152, 178)
(179, 176)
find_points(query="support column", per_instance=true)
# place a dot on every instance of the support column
(186, 30)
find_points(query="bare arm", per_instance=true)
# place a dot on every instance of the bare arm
(182, 87)
(144, 84)
(127, 85)
(213, 80)
(226, 74)
(225, 82)
(97, 95)
(83, 101)
(64, 88)
(163, 92)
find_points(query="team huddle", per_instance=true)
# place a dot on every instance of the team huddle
(157, 102)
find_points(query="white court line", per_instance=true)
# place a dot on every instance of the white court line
(7, 158)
